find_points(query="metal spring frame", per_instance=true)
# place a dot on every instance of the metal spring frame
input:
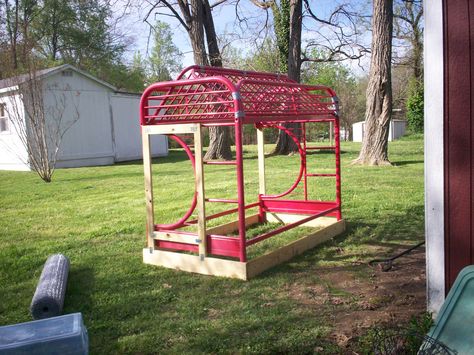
(208, 100)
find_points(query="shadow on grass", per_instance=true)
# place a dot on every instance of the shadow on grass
(407, 162)
(80, 286)
(390, 234)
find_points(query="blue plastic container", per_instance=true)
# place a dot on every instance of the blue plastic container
(58, 335)
(454, 325)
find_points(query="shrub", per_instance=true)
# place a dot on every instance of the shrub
(415, 108)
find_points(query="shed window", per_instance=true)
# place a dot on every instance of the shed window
(3, 119)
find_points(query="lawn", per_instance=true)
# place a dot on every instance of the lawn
(96, 216)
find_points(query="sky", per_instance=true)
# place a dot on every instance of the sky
(138, 31)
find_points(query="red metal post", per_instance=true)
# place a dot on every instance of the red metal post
(305, 172)
(240, 185)
(338, 166)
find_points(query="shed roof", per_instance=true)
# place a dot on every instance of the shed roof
(44, 73)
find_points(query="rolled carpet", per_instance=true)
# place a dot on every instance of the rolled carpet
(48, 299)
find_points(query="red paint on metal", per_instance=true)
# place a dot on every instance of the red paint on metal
(226, 97)
(180, 223)
(302, 162)
(297, 206)
(289, 226)
(221, 200)
(216, 245)
(240, 187)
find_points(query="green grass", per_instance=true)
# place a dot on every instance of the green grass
(96, 216)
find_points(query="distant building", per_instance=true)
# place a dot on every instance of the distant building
(397, 129)
(106, 131)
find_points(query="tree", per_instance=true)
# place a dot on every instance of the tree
(137, 73)
(287, 17)
(165, 57)
(415, 107)
(408, 27)
(39, 117)
(379, 90)
(292, 45)
(196, 18)
(349, 89)
(55, 32)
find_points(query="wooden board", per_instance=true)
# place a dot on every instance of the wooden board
(171, 128)
(233, 226)
(236, 269)
(201, 194)
(193, 263)
(176, 237)
(150, 226)
(273, 258)
(287, 218)
(261, 161)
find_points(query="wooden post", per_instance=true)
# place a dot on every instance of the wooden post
(201, 225)
(150, 224)
(331, 132)
(261, 161)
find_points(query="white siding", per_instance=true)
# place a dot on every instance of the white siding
(13, 155)
(106, 124)
(126, 127)
(396, 130)
(89, 140)
(358, 131)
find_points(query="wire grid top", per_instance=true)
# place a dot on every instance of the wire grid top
(219, 95)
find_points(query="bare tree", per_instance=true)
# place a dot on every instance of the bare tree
(284, 143)
(335, 38)
(40, 120)
(379, 91)
(196, 18)
(408, 27)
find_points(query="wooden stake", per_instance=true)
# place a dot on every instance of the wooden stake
(201, 206)
(261, 161)
(150, 225)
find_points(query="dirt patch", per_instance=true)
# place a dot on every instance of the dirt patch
(358, 297)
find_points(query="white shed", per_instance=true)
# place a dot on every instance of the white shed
(397, 129)
(104, 123)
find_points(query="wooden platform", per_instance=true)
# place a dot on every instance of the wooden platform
(245, 271)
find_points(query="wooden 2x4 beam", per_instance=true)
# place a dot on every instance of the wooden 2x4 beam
(235, 269)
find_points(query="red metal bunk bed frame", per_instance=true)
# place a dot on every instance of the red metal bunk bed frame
(206, 97)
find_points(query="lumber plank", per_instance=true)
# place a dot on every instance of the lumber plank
(150, 226)
(288, 218)
(233, 226)
(193, 263)
(201, 205)
(176, 237)
(171, 128)
(261, 161)
(276, 257)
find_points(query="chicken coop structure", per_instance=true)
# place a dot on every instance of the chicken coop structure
(208, 97)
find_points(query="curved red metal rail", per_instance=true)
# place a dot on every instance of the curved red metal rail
(181, 222)
(302, 164)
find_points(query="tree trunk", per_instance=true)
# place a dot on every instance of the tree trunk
(285, 145)
(196, 33)
(219, 137)
(294, 47)
(379, 91)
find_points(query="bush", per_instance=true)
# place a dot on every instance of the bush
(415, 108)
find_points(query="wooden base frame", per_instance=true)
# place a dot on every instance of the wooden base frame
(198, 251)
(253, 267)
